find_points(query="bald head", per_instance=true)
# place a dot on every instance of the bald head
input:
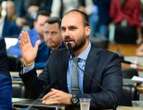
(81, 13)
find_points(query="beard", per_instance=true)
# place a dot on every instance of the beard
(80, 43)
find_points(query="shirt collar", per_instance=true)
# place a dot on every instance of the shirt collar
(83, 55)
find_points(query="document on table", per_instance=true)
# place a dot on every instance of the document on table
(137, 79)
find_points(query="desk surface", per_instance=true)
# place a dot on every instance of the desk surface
(140, 88)
(22, 103)
(123, 49)
(17, 102)
(129, 108)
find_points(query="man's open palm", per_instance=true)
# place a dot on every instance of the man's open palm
(27, 50)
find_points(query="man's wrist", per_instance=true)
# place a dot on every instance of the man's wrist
(27, 68)
(74, 100)
(28, 64)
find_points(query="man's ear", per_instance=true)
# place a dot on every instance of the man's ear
(87, 29)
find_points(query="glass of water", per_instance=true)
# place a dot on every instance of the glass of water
(84, 103)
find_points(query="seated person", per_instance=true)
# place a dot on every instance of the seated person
(98, 72)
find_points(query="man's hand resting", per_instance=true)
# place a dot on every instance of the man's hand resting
(57, 97)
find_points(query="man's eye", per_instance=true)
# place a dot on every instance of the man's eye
(63, 29)
(72, 28)
(53, 33)
(46, 32)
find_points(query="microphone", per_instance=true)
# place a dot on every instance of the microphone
(123, 60)
(127, 62)
(133, 64)
(68, 45)
(98, 84)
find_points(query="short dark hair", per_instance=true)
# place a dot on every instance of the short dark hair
(53, 20)
(43, 13)
(84, 15)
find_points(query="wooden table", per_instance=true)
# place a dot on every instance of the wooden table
(123, 49)
(28, 104)
(140, 88)
(129, 108)
(19, 102)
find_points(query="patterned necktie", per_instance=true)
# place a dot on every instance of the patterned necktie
(75, 77)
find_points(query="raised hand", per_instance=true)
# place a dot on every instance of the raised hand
(57, 97)
(27, 50)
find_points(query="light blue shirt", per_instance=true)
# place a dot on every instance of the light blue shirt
(81, 64)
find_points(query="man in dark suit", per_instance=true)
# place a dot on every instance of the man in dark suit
(5, 80)
(99, 71)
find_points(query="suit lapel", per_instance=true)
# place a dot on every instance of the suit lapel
(90, 68)
(64, 67)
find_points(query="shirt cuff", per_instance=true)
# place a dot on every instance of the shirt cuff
(26, 69)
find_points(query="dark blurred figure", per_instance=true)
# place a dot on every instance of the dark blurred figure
(20, 7)
(100, 18)
(33, 6)
(8, 24)
(5, 80)
(126, 15)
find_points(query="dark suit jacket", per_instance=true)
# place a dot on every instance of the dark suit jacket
(5, 80)
(102, 78)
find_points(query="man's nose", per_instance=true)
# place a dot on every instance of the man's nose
(66, 33)
(49, 36)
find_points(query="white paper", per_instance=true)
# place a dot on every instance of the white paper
(137, 79)
(10, 42)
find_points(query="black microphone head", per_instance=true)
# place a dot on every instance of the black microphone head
(69, 47)
(122, 58)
